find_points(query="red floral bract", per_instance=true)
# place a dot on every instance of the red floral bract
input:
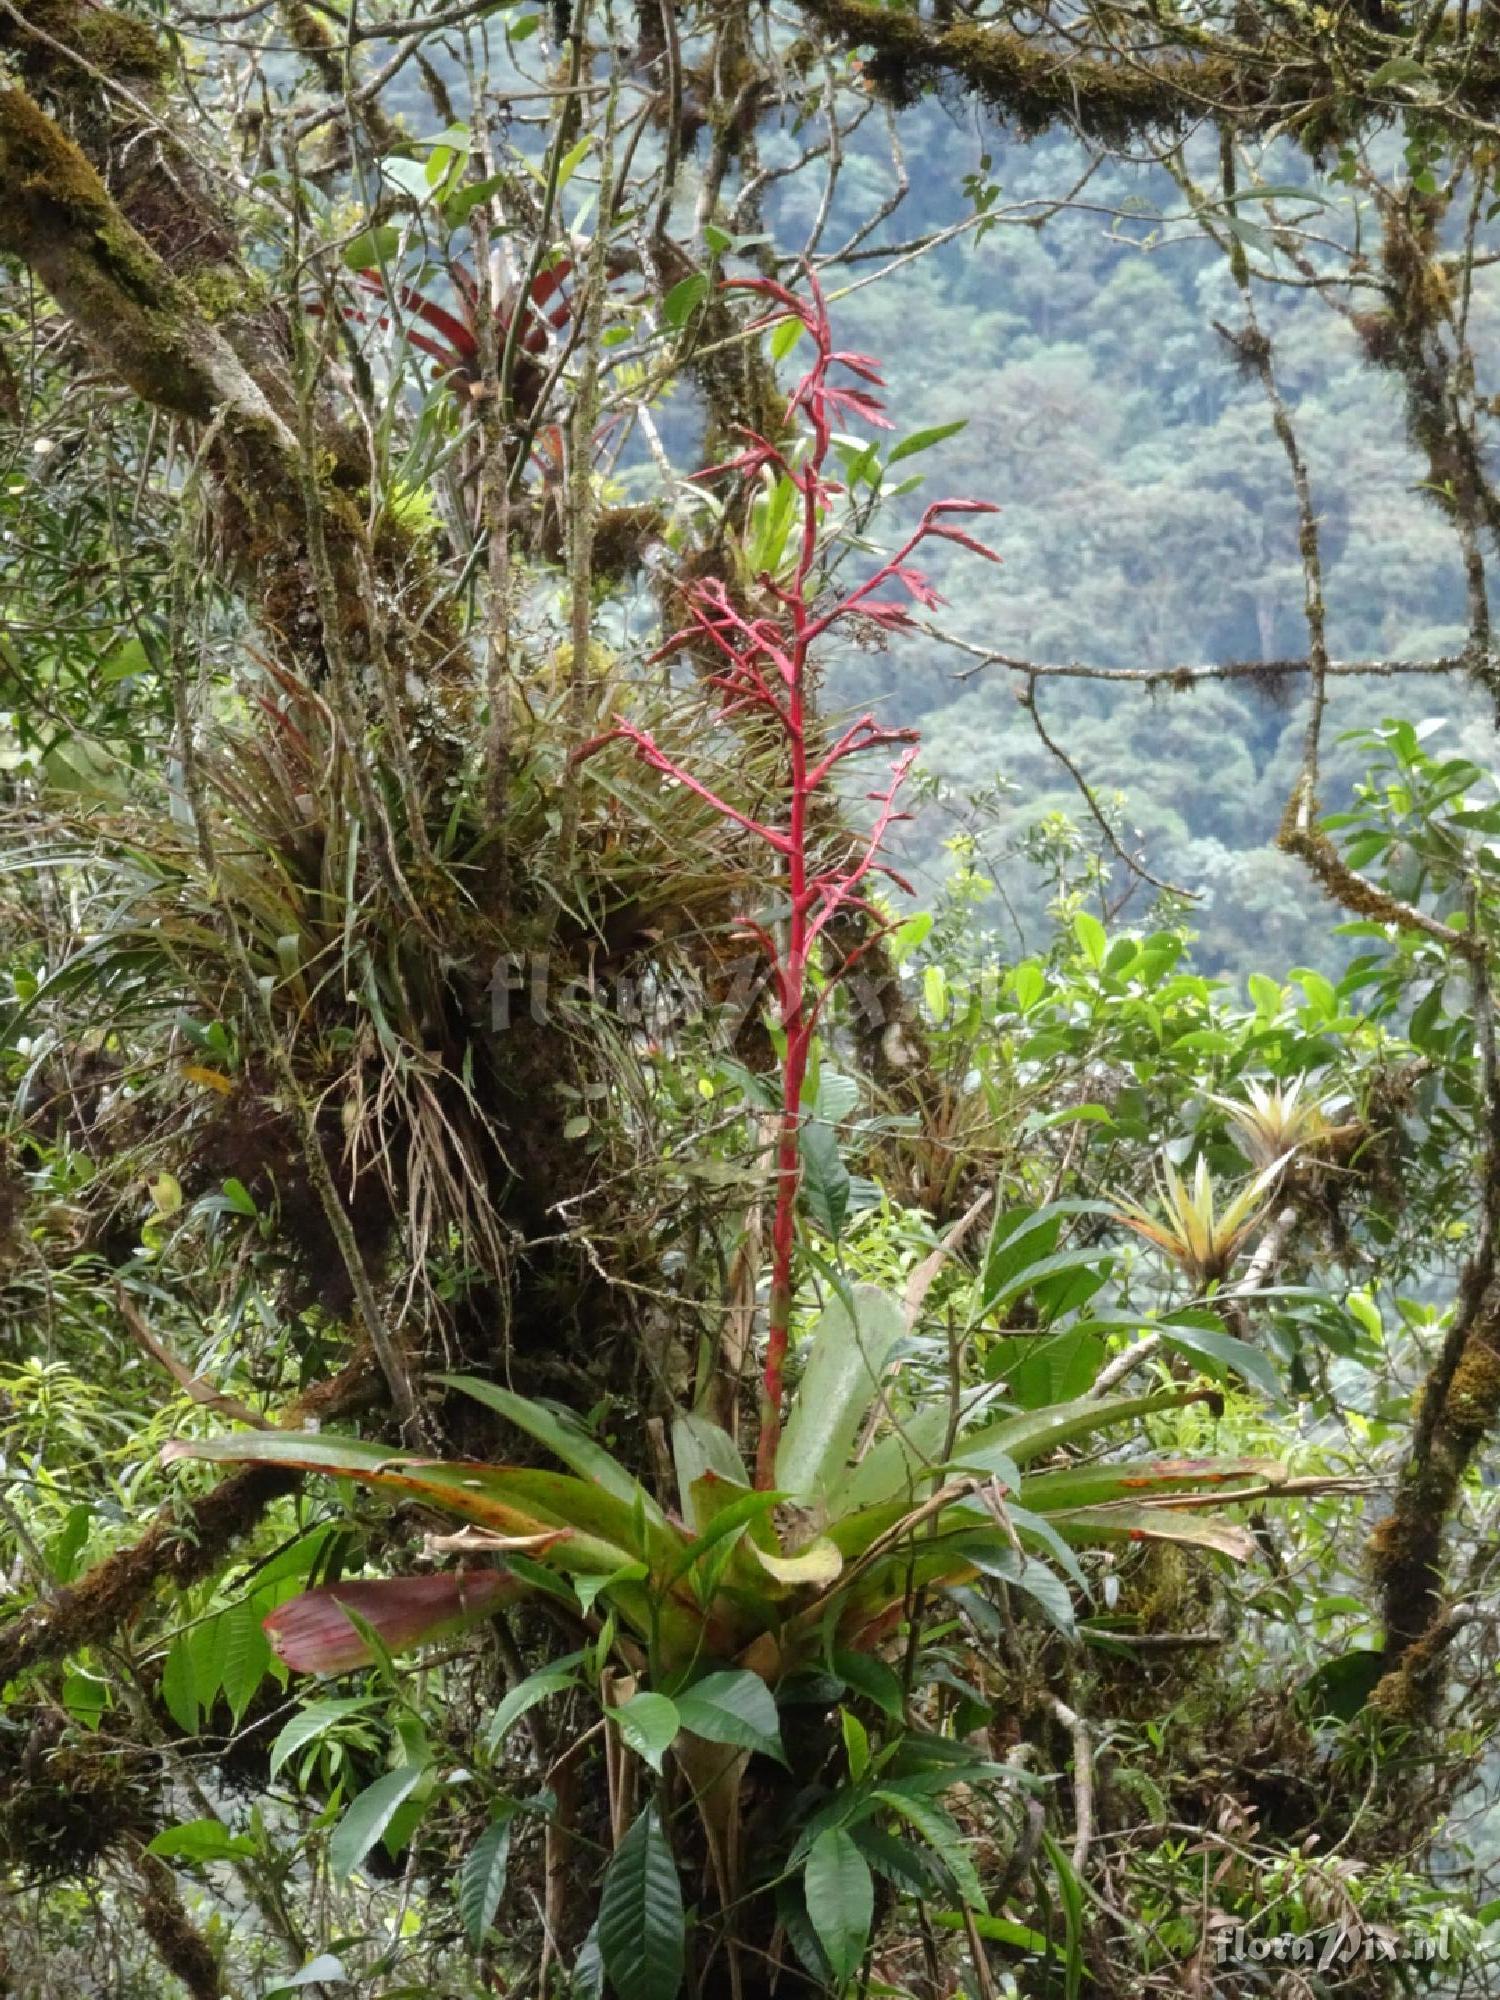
(763, 669)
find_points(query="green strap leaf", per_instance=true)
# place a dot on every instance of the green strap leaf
(846, 1358)
(563, 1435)
(1034, 1432)
(641, 1925)
(840, 1900)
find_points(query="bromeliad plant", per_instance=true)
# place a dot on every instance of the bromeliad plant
(806, 1566)
(524, 321)
(708, 1608)
(768, 1578)
(763, 640)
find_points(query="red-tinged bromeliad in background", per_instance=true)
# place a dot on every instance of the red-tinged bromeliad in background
(452, 336)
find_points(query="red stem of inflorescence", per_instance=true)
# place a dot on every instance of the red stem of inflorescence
(764, 667)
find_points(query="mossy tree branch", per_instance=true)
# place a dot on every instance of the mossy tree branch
(1323, 87)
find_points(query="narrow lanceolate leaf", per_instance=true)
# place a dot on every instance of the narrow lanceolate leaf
(369, 1816)
(481, 1880)
(840, 1900)
(526, 1694)
(312, 1634)
(641, 1925)
(846, 1359)
(733, 1707)
(996, 1558)
(313, 1722)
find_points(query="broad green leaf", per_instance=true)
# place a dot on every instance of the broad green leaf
(408, 175)
(85, 1697)
(68, 1545)
(588, 1970)
(941, 1834)
(912, 1869)
(1036, 1528)
(481, 1880)
(846, 1360)
(873, 1679)
(179, 1689)
(649, 1724)
(997, 1559)
(1054, 1370)
(1021, 1243)
(572, 160)
(840, 1900)
(369, 1816)
(372, 248)
(990, 1459)
(785, 337)
(684, 298)
(641, 1923)
(856, 1744)
(247, 1655)
(461, 204)
(1091, 937)
(735, 1707)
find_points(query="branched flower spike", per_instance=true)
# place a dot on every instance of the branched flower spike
(763, 669)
